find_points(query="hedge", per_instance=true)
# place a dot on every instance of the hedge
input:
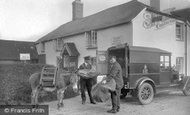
(15, 88)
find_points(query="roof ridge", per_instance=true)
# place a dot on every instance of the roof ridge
(91, 15)
(98, 19)
(100, 12)
(16, 41)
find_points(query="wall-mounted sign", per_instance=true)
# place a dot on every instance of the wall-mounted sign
(116, 41)
(156, 20)
(24, 56)
(102, 58)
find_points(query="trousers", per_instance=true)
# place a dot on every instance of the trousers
(115, 98)
(86, 84)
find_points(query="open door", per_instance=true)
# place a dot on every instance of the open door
(165, 71)
(102, 62)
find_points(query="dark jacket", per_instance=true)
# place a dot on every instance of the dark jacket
(115, 72)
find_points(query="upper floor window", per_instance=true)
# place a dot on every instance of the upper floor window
(91, 39)
(43, 47)
(59, 44)
(179, 32)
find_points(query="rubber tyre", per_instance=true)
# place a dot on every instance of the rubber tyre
(186, 91)
(145, 93)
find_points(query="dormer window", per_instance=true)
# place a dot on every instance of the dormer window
(91, 39)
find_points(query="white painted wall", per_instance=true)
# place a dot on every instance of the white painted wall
(104, 36)
(164, 38)
(167, 4)
(122, 32)
(81, 45)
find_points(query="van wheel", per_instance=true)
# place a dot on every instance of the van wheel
(186, 90)
(145, 93)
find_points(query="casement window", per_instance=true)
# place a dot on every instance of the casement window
(164, 61)
(91, 39)
(43, 47)
(179, 31)
(179, 64)
(66, 61)
(59, 44)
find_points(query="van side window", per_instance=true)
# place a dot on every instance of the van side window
(164, 62)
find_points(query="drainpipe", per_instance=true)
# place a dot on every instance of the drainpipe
(186, 44)
(186, 49)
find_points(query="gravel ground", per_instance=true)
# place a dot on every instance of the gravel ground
(169, 102)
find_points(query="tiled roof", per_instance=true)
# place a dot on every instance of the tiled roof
(10, 50)
(110, 17)
(182, 13)
(72, 50)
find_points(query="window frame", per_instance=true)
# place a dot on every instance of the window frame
(180, 66)
(59, 44)
(91, 39)
(179, 28)
(165, 62)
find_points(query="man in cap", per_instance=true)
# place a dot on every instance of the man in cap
(86, 83)
(115, 72)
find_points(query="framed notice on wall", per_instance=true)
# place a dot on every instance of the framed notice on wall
(24, 56)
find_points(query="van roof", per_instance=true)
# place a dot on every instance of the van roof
(148, 49)
(141, 48)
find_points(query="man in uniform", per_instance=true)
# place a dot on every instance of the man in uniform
(115, 72)
(86, 83)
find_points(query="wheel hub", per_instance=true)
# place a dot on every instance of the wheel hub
(145, 94)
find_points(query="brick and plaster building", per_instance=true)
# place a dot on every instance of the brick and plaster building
(134, 23)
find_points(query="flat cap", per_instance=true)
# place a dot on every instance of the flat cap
(87, 58)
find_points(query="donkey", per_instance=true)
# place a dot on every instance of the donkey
(61, 85)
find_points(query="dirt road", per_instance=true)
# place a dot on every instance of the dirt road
(165, 103)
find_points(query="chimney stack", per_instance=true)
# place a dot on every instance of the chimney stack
(155, 4)
(77, 9)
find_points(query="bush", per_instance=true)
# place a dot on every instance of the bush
(15, 88)
(14, 84)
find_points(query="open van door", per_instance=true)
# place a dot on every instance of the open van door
(102, 63)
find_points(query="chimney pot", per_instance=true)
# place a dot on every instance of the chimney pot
(77, 9)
